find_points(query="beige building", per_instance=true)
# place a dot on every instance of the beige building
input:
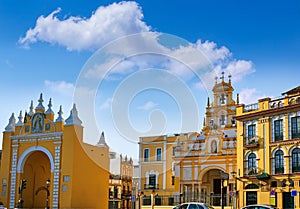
(156, 169)
(120, 182)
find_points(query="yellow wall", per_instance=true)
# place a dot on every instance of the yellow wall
(87, 166)
(263, 117)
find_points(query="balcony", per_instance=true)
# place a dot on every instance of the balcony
(251, 171)
(279, 170)
(251, 142)
(251, 107)
(126, 193)
(150, 186)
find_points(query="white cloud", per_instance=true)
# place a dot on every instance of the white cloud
(250, 96)
(61, 87)
(106, 104)
(76, 33)
(222, 60)
(147, 106)
(212, 52)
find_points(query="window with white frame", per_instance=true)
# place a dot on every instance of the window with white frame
(146, 155)
(295, 127)
(251, 131)
(296, 160)
(223, 99)
(223, 120)
(278, 130)
(278, 162)
(252, 169)
(158, 154)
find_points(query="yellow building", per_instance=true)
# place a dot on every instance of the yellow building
(156, 169)
(49, 158)
(205, 160)
(268, 158)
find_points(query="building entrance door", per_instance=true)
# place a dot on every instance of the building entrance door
(217, 192)
(251, 197)
(287, 200)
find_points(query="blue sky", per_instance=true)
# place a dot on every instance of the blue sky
(257, 42)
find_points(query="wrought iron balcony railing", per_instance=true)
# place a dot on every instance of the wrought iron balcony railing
(251, 142)
(151, 186)
(251, 171)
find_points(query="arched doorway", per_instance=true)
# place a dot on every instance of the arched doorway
(212, 187)
(36, 171)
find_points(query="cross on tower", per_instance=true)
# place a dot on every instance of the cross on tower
(222, 77)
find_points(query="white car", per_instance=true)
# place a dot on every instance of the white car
(193, 205)
(259, 206)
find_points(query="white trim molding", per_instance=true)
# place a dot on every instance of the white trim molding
(26, 153)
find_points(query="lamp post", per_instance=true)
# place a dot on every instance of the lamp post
(152, 199)
(233, 174)
(48, 193)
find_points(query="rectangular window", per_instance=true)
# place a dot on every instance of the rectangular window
(278, 130)
(295, 127)
(27, 129)
(146, 155)
(222, 120)
(64, 187)
(173, 180)
(66, 178)
(158, 154)
(251, 131)
(174, 150)
(47, 126)
(152, 181)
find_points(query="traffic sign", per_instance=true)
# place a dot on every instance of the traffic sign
(294, 193)
(272, 192)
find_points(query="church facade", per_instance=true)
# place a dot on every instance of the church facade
(204, 162)
(46, 164)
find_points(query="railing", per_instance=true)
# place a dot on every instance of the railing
(251, 142)
(295, 135)
(213, 199)
(126, 193)
(151, 186)
(251, 107)
(251, 171)
(279, 170)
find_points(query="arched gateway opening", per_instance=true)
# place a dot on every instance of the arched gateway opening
(212, 187)
(36, 170)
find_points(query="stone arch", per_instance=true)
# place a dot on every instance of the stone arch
(205, 170)
(26, 153)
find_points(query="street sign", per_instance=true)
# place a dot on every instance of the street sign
(272, 192)
(294, 193)
(132, 198)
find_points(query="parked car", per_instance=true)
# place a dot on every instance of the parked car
(259, 206)
(1, 206)
(193, 205)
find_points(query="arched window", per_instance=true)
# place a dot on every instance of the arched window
(296, 160)
(251, 186)
(279, 162)
(252, 164)
(222, 99)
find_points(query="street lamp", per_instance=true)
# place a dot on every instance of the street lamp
(48, 193)
(233, 174)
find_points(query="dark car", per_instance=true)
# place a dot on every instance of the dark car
(193, 205)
